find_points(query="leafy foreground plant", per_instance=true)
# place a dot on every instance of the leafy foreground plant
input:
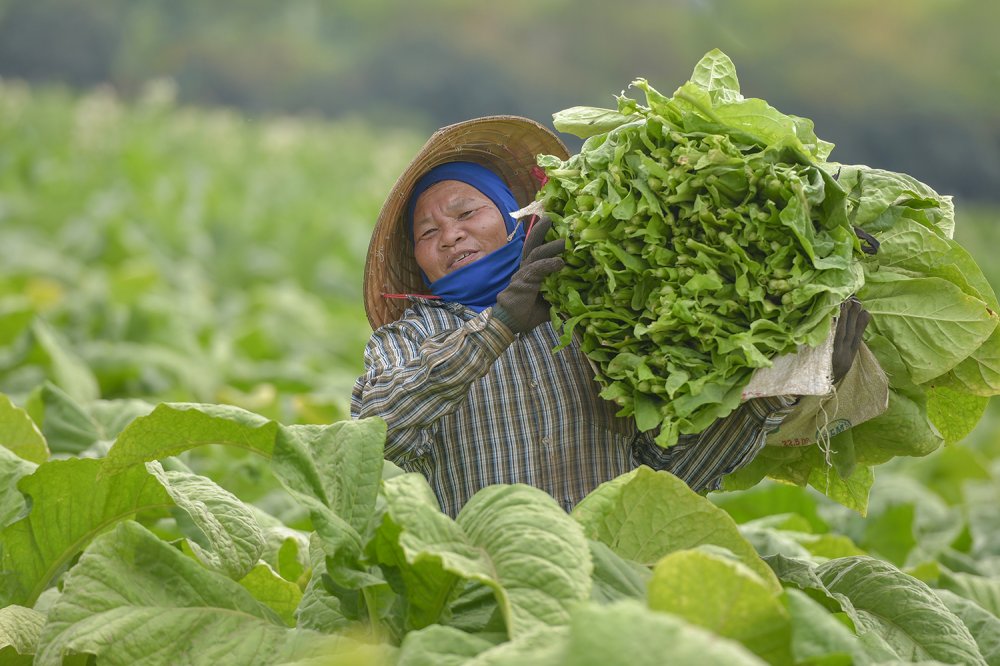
(132, 558)
(707, 233)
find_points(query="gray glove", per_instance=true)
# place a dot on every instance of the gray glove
(847, 338)
(520, 306)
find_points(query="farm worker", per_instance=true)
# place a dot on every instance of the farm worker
(460, 364)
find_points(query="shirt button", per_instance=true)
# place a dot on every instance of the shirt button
(533, 384)
(546, 441)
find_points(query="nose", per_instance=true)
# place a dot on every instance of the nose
(452, 231)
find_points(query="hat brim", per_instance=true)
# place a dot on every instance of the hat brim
(507, 145)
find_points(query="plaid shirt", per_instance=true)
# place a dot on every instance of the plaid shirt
(469, 404)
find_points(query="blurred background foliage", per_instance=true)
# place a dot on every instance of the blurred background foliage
(908, 85)
(187, 189)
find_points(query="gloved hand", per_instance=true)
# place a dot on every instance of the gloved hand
(847, 338)
(520, 307)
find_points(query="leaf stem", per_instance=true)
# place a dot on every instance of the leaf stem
(698, 105)
(370, 604)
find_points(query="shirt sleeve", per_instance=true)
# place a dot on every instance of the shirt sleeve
(725, 446)
(412, 379)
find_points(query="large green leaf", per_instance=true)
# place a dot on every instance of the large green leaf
(912, 247)
(716, 73)
(172, 428)
(908, 522)
(810, 466)
(587, 121)
(930, 321)
(19, 434)
(881, 196)
(286, 550)
(509, 538)
(71, 426)
(336, 467)
(67, 370)
(626, 632)
(769, 541)
(983, 625)
(334, 472)
(644, 515)
(133, 599)
(768, 499)
(63, 420)
(981, 501)
(543, 646)
(439, 645)
(411, 519)
(20, 628)
(817, 635)
(235, 541)
(980, 373)
(954, 414)
(724, 596)
(70, 506)
(904, 428)
(318, 609)
(520, 536)
(984, 591)
(278, 594)
(801, 573)
(900, 609)
(851, 491)
(71, 503)
(12, 470)
(615, 577)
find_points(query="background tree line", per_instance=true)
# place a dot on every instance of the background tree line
(908, 85)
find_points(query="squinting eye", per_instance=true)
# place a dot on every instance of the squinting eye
(470, 212)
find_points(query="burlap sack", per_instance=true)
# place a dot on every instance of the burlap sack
(862, 394)
(809, 371)
(823, 411)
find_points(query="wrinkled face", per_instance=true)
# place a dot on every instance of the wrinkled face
(454, 224)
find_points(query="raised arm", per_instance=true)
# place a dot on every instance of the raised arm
(412, 379)
(724, 447)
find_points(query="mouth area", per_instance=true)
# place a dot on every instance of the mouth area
(463, 259)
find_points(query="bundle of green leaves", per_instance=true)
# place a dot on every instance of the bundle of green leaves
(706, 233)
(698, 249)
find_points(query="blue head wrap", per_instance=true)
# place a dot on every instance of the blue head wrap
(476, 285)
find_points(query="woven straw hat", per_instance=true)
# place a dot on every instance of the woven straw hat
(506, 144)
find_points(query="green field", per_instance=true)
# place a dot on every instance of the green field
(154, 254)
(180, 254)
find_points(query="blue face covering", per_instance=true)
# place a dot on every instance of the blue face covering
(476, 285)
